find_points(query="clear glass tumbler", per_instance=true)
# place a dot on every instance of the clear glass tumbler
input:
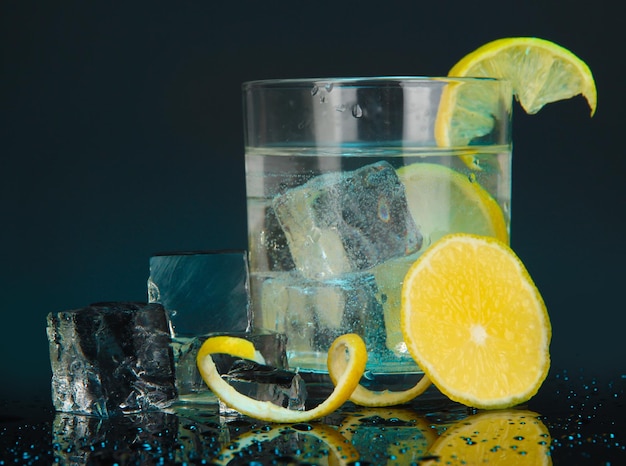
(348, 181)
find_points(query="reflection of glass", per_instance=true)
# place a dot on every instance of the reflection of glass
(332, 167)
(499, 437)
(388, 435)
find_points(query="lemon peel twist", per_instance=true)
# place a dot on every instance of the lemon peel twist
(348, 348)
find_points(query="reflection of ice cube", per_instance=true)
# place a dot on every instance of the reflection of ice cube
(313, 313)
(111, 357)
(344, 222)
(204, 291)
(141, 438)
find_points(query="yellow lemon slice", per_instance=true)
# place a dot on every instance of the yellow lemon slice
(348, 348)
(474, 321)
(539, 72)
(497, 438)
(443, 201)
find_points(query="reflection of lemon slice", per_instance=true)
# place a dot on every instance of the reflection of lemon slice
(475, 323)
(349, 347)
(539, 71)
(444, 201)
(498, 438)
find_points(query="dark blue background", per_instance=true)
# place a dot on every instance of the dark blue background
(121, 136)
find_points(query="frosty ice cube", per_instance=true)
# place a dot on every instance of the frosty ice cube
(313, 313)
(344, 222)
(111, 357)
(204, 292)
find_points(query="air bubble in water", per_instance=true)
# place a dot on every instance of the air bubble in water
(357, 111)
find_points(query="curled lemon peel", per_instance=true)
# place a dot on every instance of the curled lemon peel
(365, 397)
(348, 347)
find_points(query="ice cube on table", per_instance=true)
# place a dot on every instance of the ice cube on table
(204, 291)
(110, 358)
(345, 222)
(191, 387)
(314, 313)
(265, 383)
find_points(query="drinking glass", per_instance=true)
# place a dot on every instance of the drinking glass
(348, 181)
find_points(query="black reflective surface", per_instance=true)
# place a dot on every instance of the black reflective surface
(576, 418)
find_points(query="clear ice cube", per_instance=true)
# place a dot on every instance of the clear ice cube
(189, 382)
(344, 222)
(205, 292)
(109, 358)
(266, 383)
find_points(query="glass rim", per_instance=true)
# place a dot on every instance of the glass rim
(362, 81)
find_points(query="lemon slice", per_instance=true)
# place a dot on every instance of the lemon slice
(475, 323)
(444, 201)
(539, 72)
(348, 347)
(497, 438)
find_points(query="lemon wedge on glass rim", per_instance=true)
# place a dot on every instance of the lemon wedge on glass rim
(539, 72)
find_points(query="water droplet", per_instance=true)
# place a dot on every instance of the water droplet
(322, 99)
(472, 177)
(383, 210)
(314, 90)
(328, 87)
(357, 111)
(302, 427)
(341, 108)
